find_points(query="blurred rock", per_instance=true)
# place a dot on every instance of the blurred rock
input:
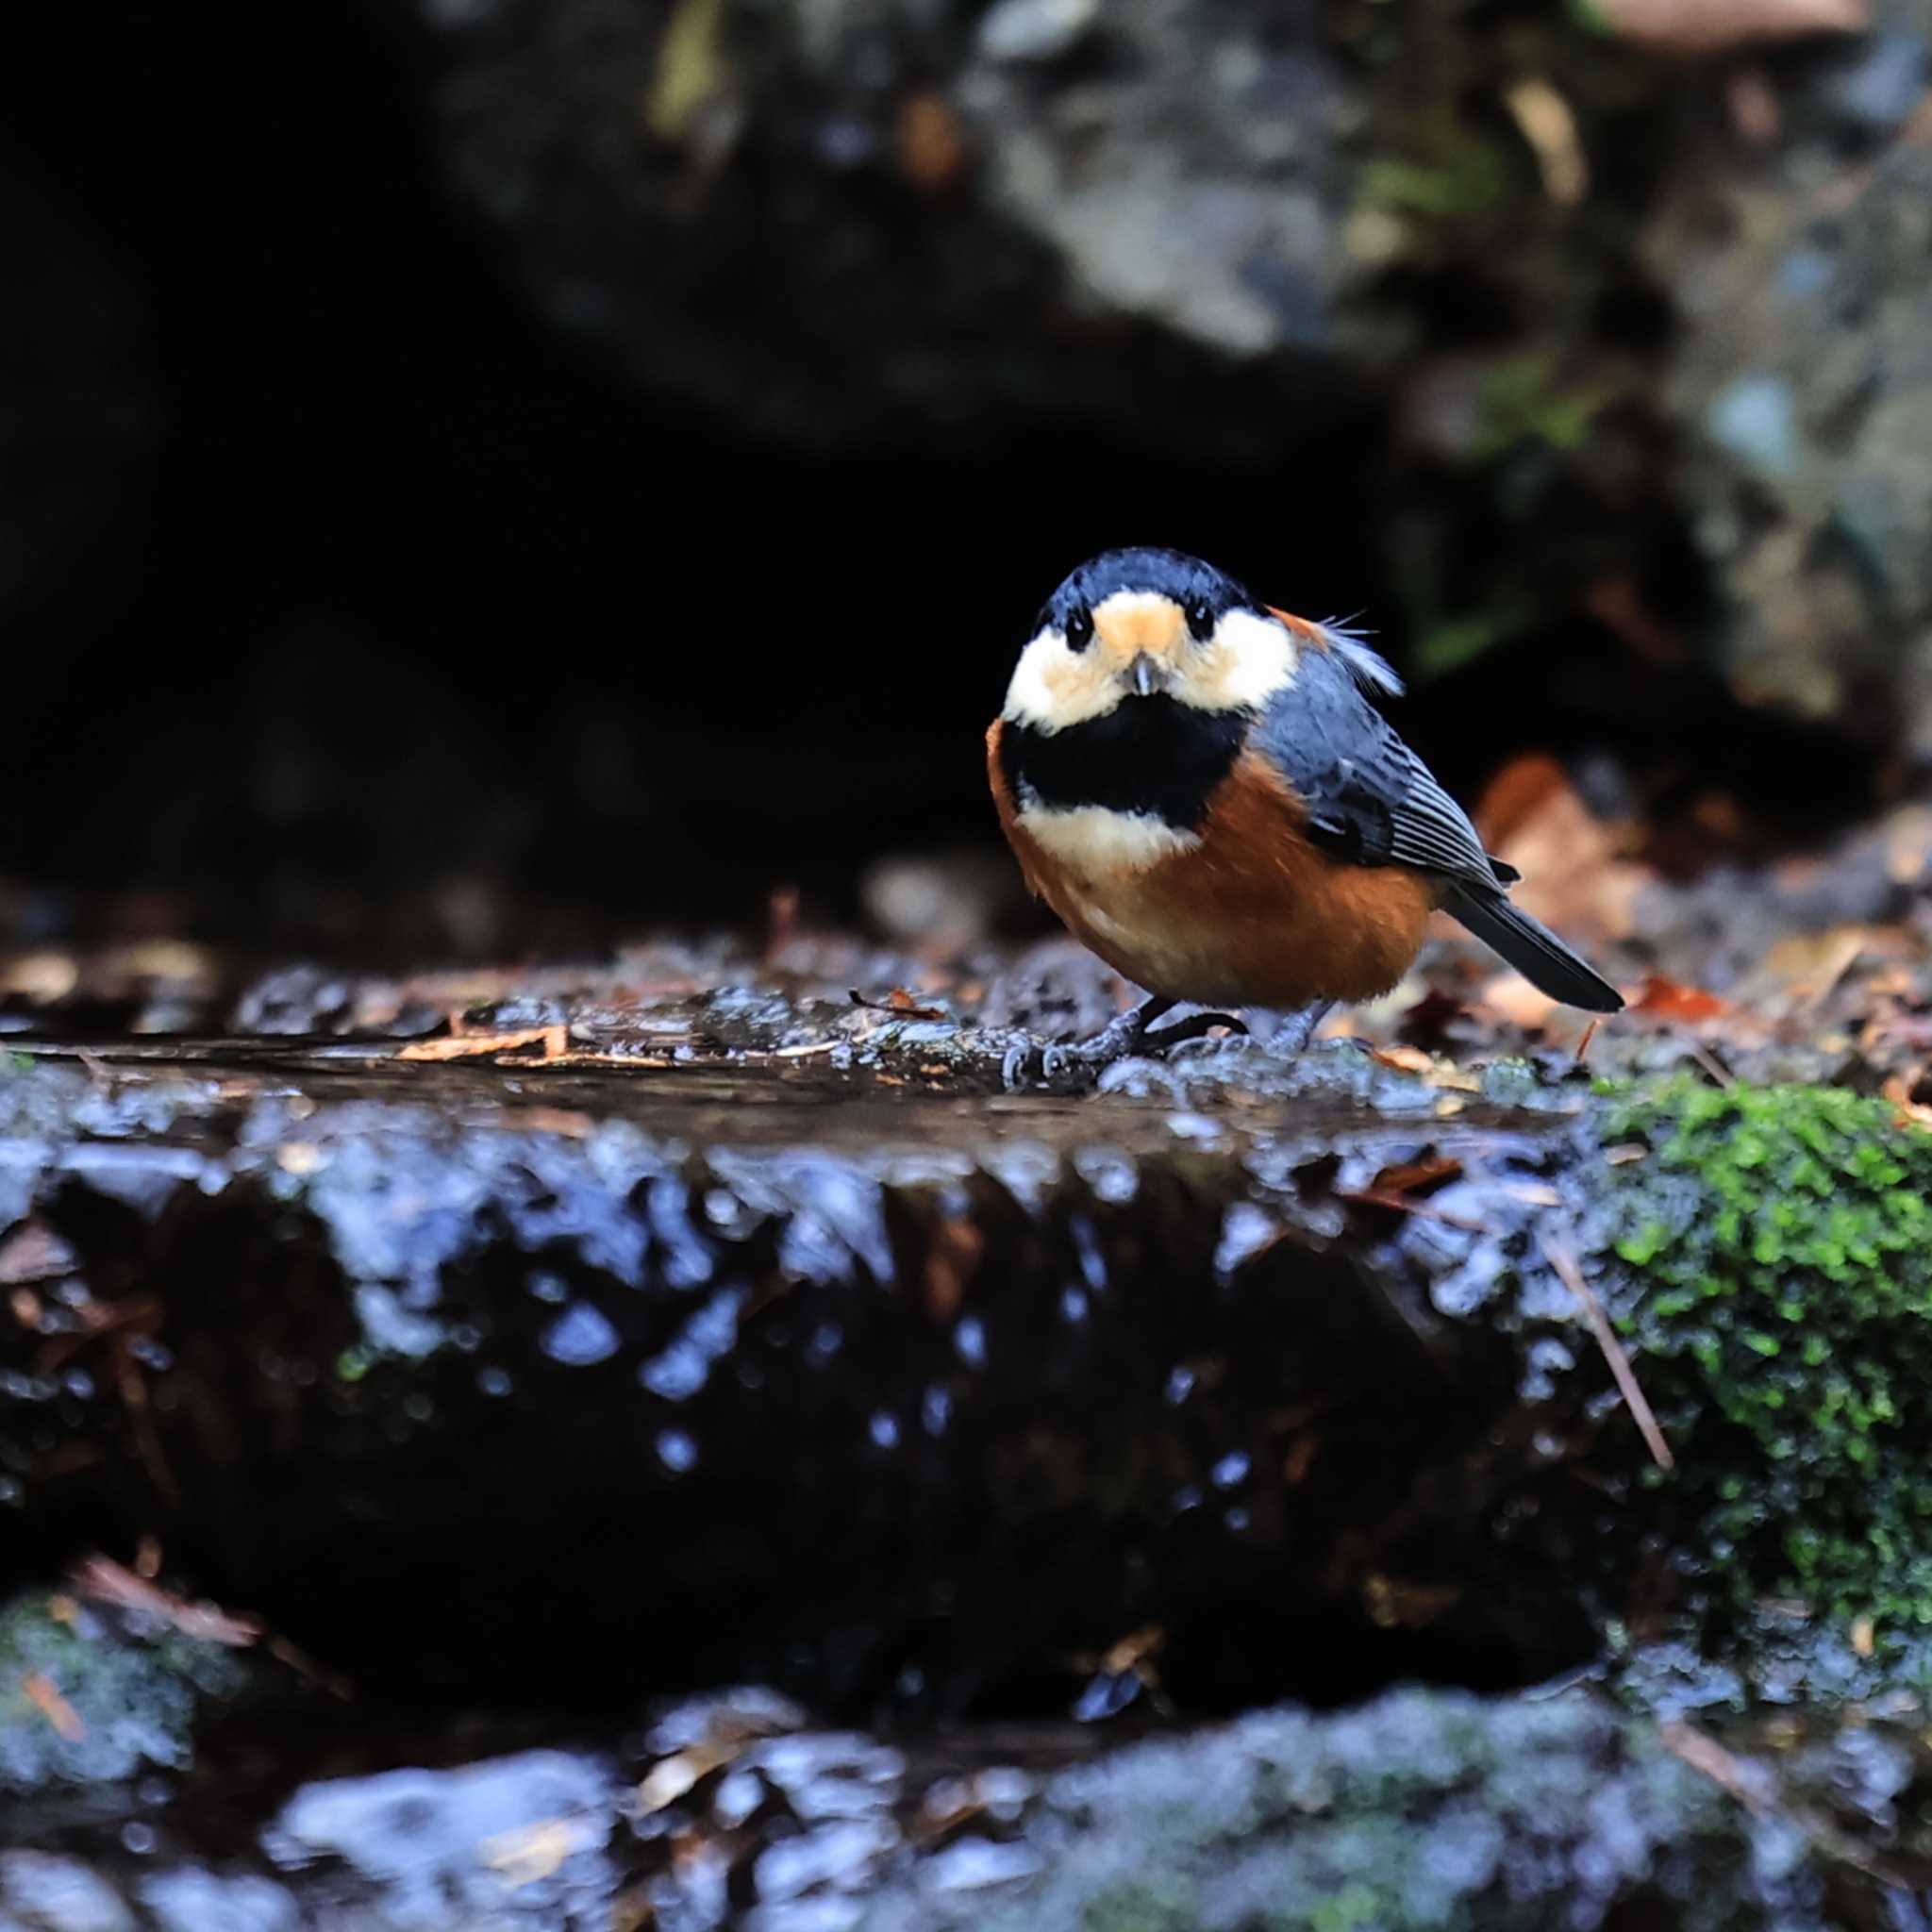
(1804, 384)
(854, 218)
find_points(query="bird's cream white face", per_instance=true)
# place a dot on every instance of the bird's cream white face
(1142, 645)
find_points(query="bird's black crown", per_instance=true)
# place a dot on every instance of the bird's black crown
(1168, 572)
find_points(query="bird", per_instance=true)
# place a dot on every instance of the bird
(1202, 789)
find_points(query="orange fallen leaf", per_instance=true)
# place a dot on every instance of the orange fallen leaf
(108, 1581)
(1574, 874)
(1404, 1178)
(1696, 28)
(529, 1854)
(46, 1697)
(1668, 999)
(553, 1039)
(930, 142)
(1906, 1111)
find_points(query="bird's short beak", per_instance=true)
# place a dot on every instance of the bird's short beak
(1145, 674)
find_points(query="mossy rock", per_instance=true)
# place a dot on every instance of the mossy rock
(1778, 1299)
(87, 1694)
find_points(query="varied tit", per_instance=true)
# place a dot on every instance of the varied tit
(1199, 786)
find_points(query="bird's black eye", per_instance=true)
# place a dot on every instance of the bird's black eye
(1079, 627)
(1201, 620)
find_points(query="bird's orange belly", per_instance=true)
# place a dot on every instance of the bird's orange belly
(1246, 914)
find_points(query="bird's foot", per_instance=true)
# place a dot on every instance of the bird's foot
(1039, 1061)
(1298, 1029)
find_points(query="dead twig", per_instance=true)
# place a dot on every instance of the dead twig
(1564, 1262)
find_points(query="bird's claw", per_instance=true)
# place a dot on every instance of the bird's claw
(1049, 1062)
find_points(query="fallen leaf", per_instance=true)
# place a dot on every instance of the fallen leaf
(532, 1853)
(1574, 874)
(691, 70)
(1393, 1603)
(1697, 28)
(1511, 997)
(670, 1778)
(1404, 1178)
(951, 1261)
(1906, 1111)
(1669, 1000)
(1437, 1070)
(43, 1693)
(899, 1003)
(108, 1581)
(553, 1039)
(1550, 128)
(1804, 969)
(33, 1251)
(1408, 1203)
(930, 142)
(1864, 1636)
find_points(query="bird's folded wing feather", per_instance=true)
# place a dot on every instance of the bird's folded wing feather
(1369, 797)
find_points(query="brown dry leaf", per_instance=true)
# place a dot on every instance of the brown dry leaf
(1393, 1603)
(930, 142)
(33, 1251)
(1804, 969)
(532, 1853)
(1408, 1203)
(42, 976)
(1667, 999)
(1864, 1636)
(1617, 603)
(1550, 128)
(1402, 1179)
(1575, 877)
(45, 1695)
(1136, 1652)
(900, 1003)
(1300, 1458)
(1695, 28)
(110, 1582)
(671, 1777)
(553, 1039)
(691, 70)
(1511, 997)
(1437, 1070)
(951, 1262)
(1907, 1113)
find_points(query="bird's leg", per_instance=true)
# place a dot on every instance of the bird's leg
(1299, 1029)
(1129, 1034)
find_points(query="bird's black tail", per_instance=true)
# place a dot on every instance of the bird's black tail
(1533, 949)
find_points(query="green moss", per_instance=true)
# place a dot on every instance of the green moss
(130, 1690)
(1780, 1247)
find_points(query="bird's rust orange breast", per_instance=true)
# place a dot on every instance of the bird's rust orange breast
(1254, 915)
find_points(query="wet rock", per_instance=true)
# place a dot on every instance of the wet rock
(192, 1899)
(46, 1893)
(515, 1841)
(1418, 1809)
(935, 1398)
(1804, 380)
(955, 222)
(89, 1694)
(1427, 1809)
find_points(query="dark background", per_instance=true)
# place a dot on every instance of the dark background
(341, 583)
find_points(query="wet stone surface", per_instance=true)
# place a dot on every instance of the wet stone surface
(927, 1399)
(515, 1357)
(1417, 1808)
